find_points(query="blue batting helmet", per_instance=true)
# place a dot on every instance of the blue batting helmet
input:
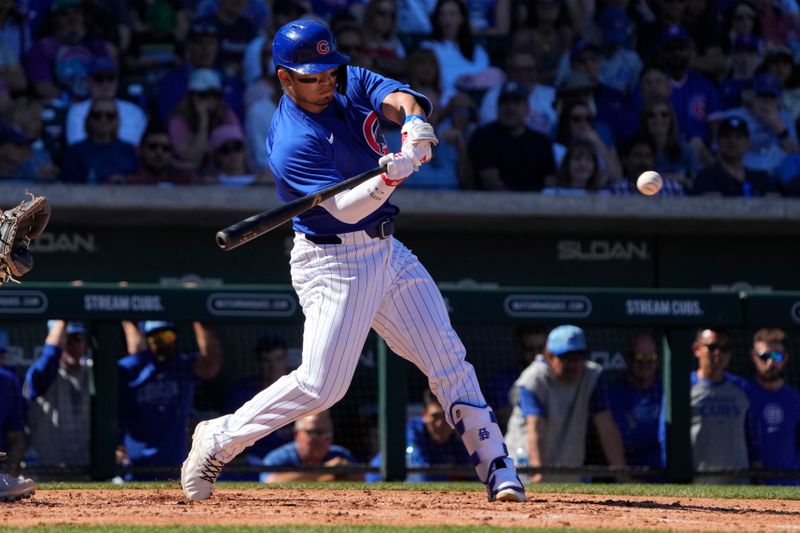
(307, 47)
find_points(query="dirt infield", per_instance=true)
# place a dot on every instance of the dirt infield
(267, 506)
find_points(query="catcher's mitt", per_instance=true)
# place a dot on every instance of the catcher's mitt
(18, 227)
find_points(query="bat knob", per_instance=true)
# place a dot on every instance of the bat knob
(222, 240)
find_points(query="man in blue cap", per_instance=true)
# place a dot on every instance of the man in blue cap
(553, 399)
(58, 389)
(156, 388)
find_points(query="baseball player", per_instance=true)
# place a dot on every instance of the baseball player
(349, 272)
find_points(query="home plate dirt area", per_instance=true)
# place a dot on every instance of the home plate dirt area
(264, 506)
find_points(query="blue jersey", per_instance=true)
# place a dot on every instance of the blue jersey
(155, 403)
(312, 151)
(11, 406)
(773, 423)
(636, 413)
(286, 455)
(421, 450)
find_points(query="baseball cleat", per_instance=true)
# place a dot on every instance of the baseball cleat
(13, 489)
(200, 469)
(503, 484)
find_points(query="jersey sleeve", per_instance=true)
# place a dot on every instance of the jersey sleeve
(376, 88)
(530, 404)
(42, 373)
(308, 166)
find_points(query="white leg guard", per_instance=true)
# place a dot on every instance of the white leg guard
(484, 442)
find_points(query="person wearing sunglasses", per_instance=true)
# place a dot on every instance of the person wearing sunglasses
(554, 399)
(312, 446)
(774, 417)
(12, 426)
(229, 158)
(350, 272)
(102, 157)
(157, 164)
(57, 387)
(719, 406)
(636, 401)
(104, 83)
(157, 382)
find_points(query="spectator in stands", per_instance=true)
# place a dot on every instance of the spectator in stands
(675, 159)
(103, 83)
(201, 53)
(745, 59)
(638, 155)
(665, 13)
(283, 11)
(577, 121)
(654, 82)
(522, 68)
(553, 399)
(102, 157)
(430, 441)
(699, 19)
(261, 100)
(14, 32)
(197, 115)
(59, 64)
(58, 388)
(506, 154)
(387, 54)
(234, 31)
(772, 131)
(548, 33)
(14, 488)
(157, 161)
(719, 407)
(693, 96)
(740, 18)
(312, 446)
(636, 401)
(621, 66)
(529, 341)
(729, 176)
(464, 63)
(774, 415)
(154, 40)
(27, 114)
(15, 153)
(350, 40)
(228, 158)
(156, 387)
(579, 173)
(781, 63)
(12, 405)
(15, 39)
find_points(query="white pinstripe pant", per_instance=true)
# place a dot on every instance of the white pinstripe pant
(344, 291)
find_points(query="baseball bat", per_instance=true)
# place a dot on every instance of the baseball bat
(259, 224)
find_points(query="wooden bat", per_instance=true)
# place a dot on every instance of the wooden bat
(259, 224)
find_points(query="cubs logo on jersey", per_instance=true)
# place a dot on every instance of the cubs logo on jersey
(371, 129)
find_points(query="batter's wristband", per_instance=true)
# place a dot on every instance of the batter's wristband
(409, 118)
(389, 182)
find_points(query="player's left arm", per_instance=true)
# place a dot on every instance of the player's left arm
(610, 438)
(418, 136)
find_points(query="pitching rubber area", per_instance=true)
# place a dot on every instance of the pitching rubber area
(298, 506)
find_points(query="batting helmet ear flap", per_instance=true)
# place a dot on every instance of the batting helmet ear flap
(341, 79)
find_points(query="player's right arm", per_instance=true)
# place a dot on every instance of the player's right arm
(536, 429)
(44, 370)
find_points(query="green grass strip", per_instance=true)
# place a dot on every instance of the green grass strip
(677, 491)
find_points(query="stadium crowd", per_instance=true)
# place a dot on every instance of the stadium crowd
(557, 407)
(564, 97)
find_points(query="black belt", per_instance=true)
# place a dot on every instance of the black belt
(383, 230)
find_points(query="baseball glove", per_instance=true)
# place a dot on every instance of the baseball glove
(18, 227)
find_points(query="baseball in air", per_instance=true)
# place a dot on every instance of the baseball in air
(649, 182)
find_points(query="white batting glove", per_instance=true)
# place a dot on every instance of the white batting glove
(398, 168)
(418, 138)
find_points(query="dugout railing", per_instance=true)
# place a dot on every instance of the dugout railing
(674, 314)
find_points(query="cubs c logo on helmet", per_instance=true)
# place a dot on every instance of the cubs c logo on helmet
(323, 47)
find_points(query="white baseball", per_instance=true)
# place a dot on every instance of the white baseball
(649, 182)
